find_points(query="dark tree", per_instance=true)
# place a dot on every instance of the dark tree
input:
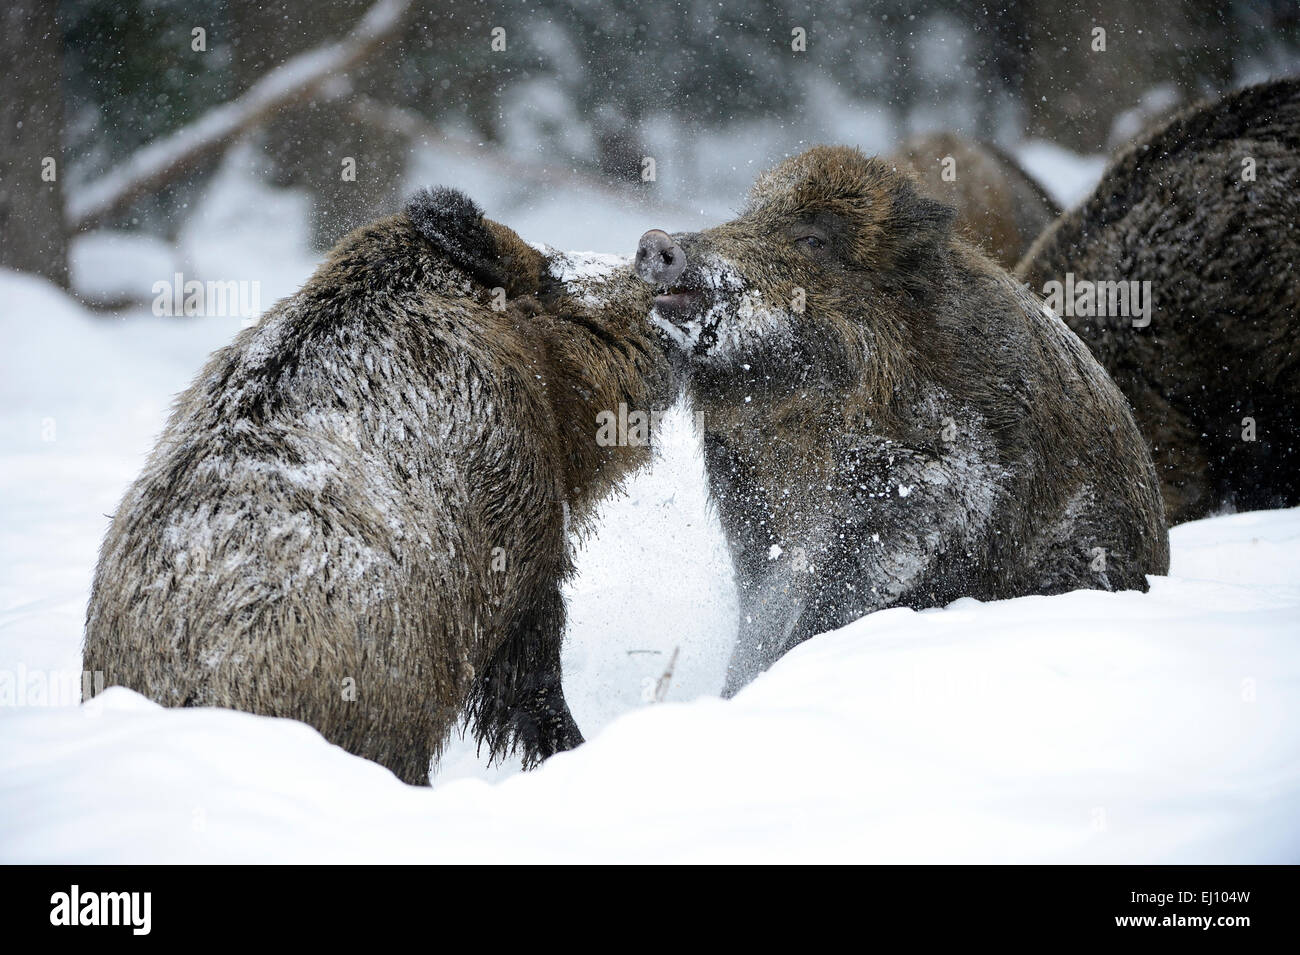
(352, 169)
(33, 237)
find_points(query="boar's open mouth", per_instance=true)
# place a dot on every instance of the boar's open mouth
(693, 307)
(680, 304)
(686, 315)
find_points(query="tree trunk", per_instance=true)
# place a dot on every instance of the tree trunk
(33, 236)
(1073, 92)
(353, 171)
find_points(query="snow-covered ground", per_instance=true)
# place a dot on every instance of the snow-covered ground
(1090, 727)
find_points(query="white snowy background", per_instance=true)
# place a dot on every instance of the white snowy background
(1159, 727)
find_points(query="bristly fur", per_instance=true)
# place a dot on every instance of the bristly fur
(356, 516)
(1220, 250)
(999, 206)
(922, 430)
(449, 219)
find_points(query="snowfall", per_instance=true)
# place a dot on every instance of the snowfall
(1087, 727)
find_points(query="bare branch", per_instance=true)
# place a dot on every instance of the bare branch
(294, 80)
(416, 128)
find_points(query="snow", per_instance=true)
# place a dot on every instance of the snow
(1091, 727)
(244, 230)
(107, 267)
(583, 266)
(1088, 727)
(1067, 176)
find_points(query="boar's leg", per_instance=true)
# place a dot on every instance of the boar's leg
(519, 702)
(1178, 451)
(770, 623)
(411, 766)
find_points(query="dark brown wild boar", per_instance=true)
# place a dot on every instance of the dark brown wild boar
(1198, 222)
(889, 418)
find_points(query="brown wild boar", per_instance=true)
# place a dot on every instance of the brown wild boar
(889, 418)
(999, 207)
(357, 515)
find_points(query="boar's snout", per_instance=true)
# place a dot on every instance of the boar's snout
(659, 260)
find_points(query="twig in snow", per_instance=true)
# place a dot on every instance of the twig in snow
(661, 688)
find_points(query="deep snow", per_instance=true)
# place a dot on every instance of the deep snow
(1085, 727)
(1090, 727)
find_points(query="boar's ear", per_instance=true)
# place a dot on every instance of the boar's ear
(928, 219)
(453, 223)
(922, 226)
(490, 252)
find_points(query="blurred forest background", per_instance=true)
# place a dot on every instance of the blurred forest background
(582, 90)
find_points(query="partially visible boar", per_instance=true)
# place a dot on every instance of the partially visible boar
(999, 207)
(1180, 273)
(889, 418)
(356, 516)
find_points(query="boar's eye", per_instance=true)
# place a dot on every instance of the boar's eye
(808, 236)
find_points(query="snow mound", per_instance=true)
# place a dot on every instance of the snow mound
(1087, 727)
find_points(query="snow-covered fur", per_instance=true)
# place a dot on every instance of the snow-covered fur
(889, 418)
(356, 516)
(999, 207)
(1207, 209)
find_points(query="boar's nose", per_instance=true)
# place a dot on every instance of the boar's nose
(659, 260)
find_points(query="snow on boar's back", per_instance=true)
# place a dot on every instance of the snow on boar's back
(356, 516)
(1197, 220)
(889, 419)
